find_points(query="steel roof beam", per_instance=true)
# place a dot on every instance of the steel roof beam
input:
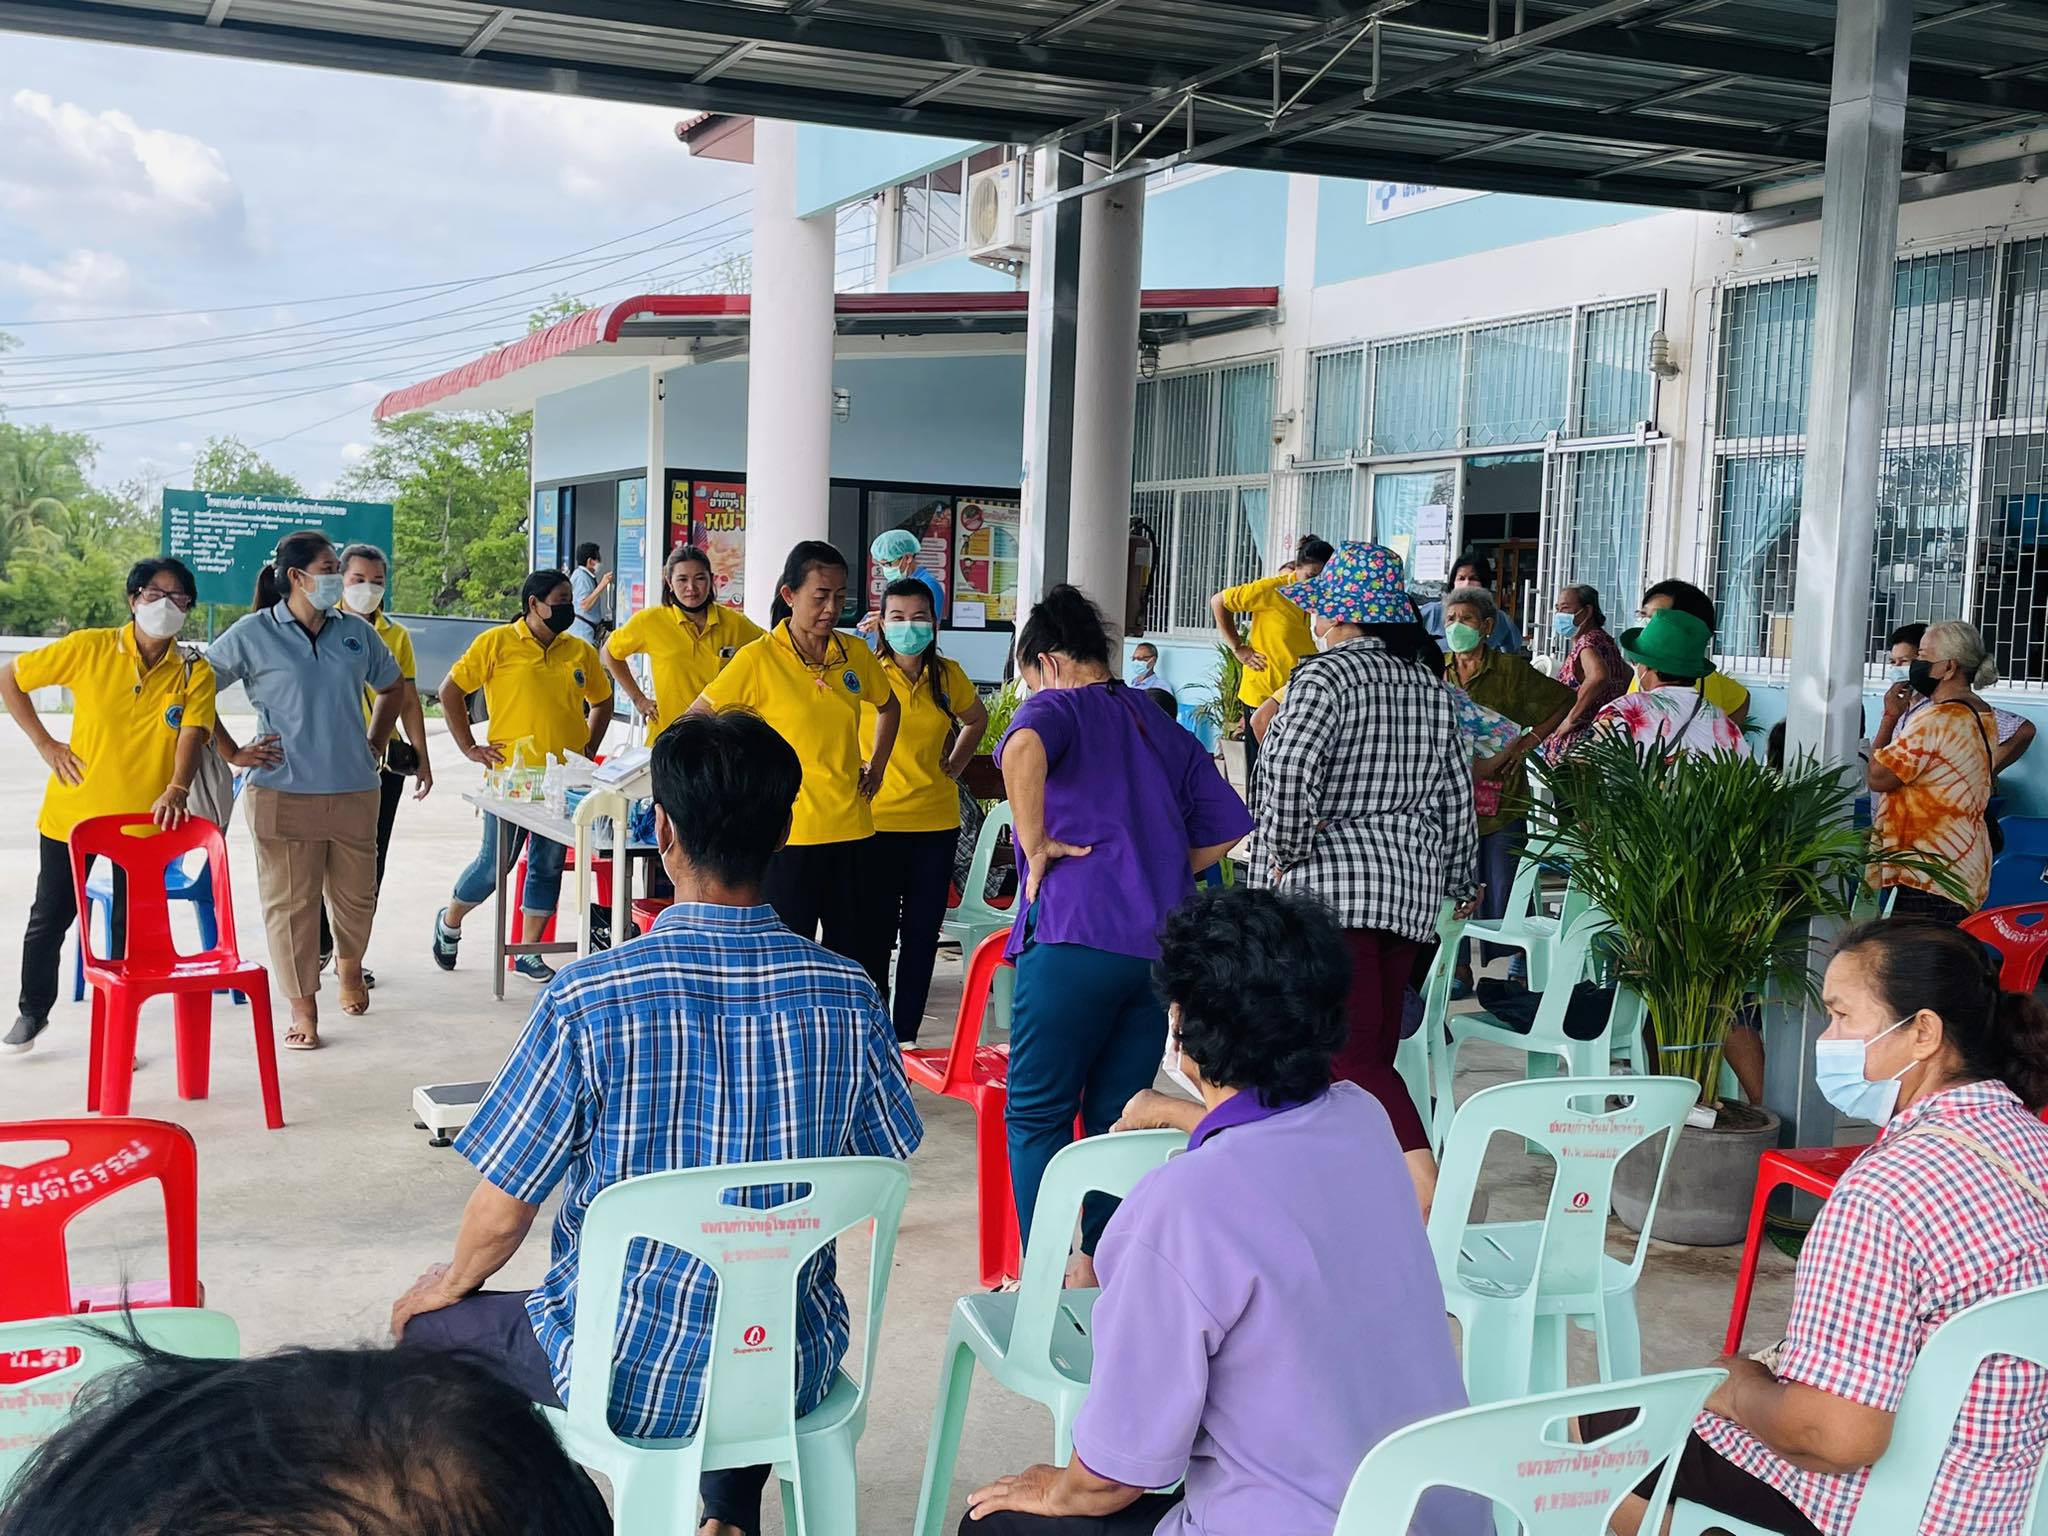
(480, 39)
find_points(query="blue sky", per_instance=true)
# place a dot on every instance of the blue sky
(135, 182)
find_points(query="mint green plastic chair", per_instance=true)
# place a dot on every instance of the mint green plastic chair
(974, 919)
(1526, 925)
(1521, 1456)
(1936, 1388)
(1514, 1286)
(33, 1410)
(1035, 1340)
(1574, 959)
(1423, 1058)
(749, 1414)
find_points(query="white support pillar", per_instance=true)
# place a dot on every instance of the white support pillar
(1048, 471)
(1105, 395)
(1844, 444)
(789, 370)
(657, 481)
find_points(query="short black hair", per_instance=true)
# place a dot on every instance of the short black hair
(727, 783)
(1906, 634)
(587, 551)
(1260, 980)
(1686, 598)
(536, 588)
(1310, 547)
(1476, 563)
(317, 1442)
(143, 572)
(1164, 698)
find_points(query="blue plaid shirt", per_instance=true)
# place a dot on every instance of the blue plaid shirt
(720, 1037)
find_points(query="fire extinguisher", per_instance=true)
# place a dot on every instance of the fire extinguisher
(1138, 570)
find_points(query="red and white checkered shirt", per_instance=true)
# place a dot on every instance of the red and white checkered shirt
(1919, 1229)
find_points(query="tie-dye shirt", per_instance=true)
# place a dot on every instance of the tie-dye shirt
(1941, 758)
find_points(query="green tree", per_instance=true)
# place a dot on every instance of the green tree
(560, 306)
(228, 464)
(73, 575)
(458, 490)
(42, 472)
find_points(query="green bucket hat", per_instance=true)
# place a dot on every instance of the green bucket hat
(1672, 643)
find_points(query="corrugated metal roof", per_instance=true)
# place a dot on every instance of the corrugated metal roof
(1690, 103)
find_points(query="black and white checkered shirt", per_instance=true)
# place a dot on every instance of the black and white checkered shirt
(1364, 796)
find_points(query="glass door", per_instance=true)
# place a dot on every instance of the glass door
(1415, 513)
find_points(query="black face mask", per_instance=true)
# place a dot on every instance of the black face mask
(1920, 676)
(560, 617)
(696, 612)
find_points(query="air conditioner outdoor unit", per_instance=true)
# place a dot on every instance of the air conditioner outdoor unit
(995, 235)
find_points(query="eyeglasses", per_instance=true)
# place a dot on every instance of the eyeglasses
(177, 600)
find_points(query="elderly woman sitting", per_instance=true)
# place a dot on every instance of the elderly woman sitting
(1231, 1348)
(1945, 1210)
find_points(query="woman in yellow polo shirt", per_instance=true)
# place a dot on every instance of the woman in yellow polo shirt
(917, 811)
(542, 684)
(1280, 634)
(808, 680)
(140, 716)
(687, 640)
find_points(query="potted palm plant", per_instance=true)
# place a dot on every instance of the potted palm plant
(984, 780)
(1224, 713)
(1711, 868)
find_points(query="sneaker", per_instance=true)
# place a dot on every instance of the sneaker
(369, 979)
(446, 940)
(23, 1035)
(326, 960)
(535, 969)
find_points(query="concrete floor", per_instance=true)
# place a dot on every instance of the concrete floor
(309, 1233)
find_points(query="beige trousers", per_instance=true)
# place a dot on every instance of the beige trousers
(307, 844)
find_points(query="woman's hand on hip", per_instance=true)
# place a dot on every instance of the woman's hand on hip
(65, 764)
(263, 752)
(870, 781)
(486, 754)
(1043, 857)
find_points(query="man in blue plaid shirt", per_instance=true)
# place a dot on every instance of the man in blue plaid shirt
(720, 1037)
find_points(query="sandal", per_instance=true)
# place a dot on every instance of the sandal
(302, 1037)
(355, 997)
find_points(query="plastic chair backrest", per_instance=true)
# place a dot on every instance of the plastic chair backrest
(1566, 1119)
(1520, 1454)
(982, 966)
(1937, 1386)
(37, 1408)
(2019, 934)
(101, 1156)
(1428, 1047)
(974, 903)
(1575, 960)
(757, 1254)
(2025, 835)
(1109, 1165)
(143, 853)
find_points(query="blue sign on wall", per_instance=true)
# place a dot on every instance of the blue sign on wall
(631, 563)
(547, 530)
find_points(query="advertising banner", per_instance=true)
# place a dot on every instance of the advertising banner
(718, 526)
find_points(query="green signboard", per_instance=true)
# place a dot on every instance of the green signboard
(227, 537)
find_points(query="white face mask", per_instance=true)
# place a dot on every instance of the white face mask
(365, 597)
(159, 620)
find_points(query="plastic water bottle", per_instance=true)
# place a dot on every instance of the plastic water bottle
(554, 787)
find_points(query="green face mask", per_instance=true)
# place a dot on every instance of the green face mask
(909, 639)
(1462, 638)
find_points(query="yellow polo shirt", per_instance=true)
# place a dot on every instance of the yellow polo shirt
(1719, 690)
(397, 640)
(817, 711)
(124, 721)
(531, 690)
(684, 658)
(916, 794)
(1280, 633)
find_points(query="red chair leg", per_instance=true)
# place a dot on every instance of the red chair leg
(195, 1043)
(117, 1053)
(266, 1055)
(1745, 1279)
(96, 1053)
(995, 1203)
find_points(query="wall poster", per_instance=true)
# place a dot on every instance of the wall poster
(718, 526)
(985, 565)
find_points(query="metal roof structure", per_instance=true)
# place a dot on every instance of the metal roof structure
(1679, 103)
(699, 328)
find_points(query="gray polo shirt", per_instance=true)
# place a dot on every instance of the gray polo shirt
(308, 690)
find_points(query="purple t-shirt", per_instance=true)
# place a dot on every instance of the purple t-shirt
(1130, 785)
(1269, 1313)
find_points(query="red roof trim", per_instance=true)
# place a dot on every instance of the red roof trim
(600, 327)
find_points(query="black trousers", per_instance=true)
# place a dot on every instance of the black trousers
(494, 1329)
(1708, 1478)
(1908, 902)
(1140, 1518)
(50, 918)
(818, 891)
(390, 790)
(909, 876)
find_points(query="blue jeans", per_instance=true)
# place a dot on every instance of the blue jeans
(1086, 1032)
(543, 891)
(1499, 853)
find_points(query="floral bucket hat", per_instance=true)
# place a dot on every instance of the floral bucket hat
(1363, 583)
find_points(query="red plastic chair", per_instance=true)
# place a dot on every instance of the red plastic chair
(646, 909)
(601, 876)
(979, 1075)
(153, 965)
(2020, 934)
(100, 1158)
(1817, 1170)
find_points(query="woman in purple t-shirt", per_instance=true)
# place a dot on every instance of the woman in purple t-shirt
(1116, 808)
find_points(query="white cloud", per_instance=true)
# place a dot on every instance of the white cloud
(593, 151)
(72, 172)
(354, 453)
(78, 284)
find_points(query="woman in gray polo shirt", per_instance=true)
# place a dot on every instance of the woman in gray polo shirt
(312, 790)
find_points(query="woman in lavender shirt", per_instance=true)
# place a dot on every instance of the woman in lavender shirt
(1116, 808)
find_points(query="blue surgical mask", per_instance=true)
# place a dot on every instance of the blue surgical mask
(908, 637)
(1900, 674)
(326, 591)
(1838, 1067)
(1564, 625)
